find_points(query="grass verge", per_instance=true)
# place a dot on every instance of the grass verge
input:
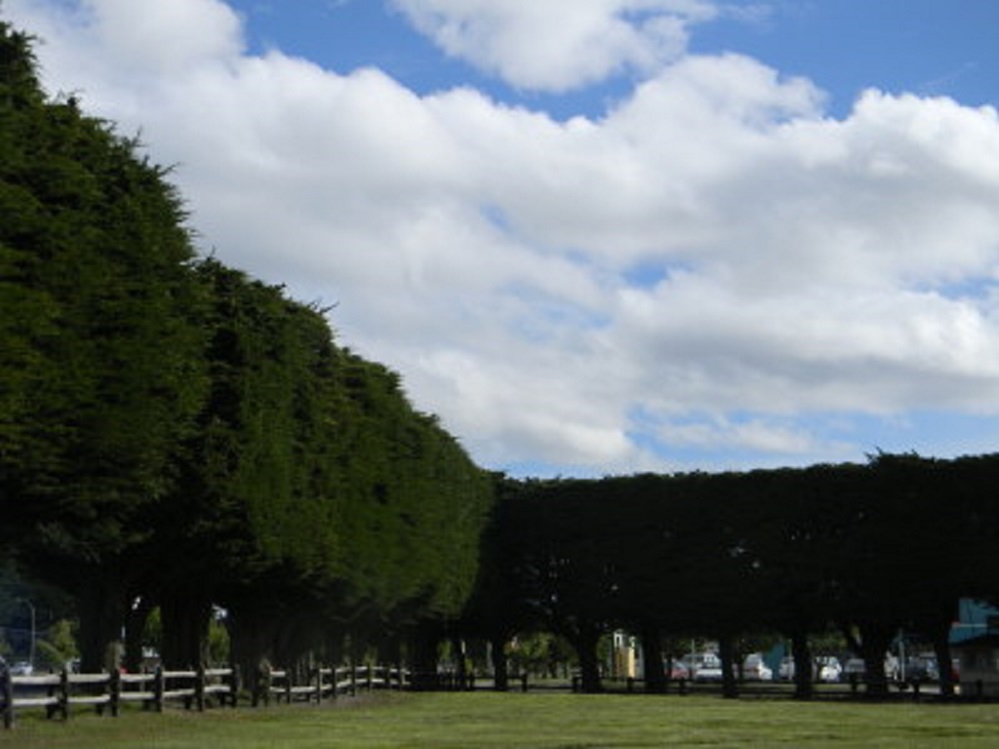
(542, 721)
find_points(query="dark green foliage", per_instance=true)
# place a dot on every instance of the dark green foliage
(174, 433)
(414, 504)
(870, 548)
(257, 489)
(259, 471)
(102, 366)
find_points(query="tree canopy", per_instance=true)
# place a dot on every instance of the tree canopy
(176, 434)
(868, 548)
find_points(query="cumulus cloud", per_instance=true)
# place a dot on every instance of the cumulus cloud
(134, 41)
(709, 262)
(559, 44)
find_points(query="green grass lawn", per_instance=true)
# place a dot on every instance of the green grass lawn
(484, 719)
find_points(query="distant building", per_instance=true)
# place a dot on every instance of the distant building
(626, 657)
(975, 643)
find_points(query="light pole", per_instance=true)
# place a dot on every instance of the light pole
(31, 647)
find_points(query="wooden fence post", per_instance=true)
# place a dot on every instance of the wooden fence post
(199, 687)
(114, 689)
(262, 685)
(6, 695)
(159, 687)
(235, 684)
(64, 694)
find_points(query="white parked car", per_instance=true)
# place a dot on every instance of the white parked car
(21, 668)
(829, 669)
(754, 668)
(704, 666)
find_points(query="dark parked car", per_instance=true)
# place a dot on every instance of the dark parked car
(921, 669)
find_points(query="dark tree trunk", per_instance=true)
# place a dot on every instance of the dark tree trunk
(730, 688)
(101, 609)
(940, 628)
(652, 652)
(423, 656)
(804, 688)
(357, 647)
(501, 668)
(293, 633)
(390, 650)
(135, 624)
(185, 631)
(875, 638)
(941, 648)
(333, 645)
(460, 663)
(585, 640)
(251, 639)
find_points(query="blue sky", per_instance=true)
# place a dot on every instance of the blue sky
(597, 236)
(926, 47)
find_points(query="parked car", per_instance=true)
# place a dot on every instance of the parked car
(704, 666)
(785, 671)
(708, 673)
(921, 668)
(828, 669)
(22, 668)
(893, 669)
(678, 670)
(855, 669)
(754, 668)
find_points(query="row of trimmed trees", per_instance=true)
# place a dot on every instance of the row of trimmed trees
(870, 549)
(177, 436)
(174, 434)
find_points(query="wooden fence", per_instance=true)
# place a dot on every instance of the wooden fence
(327, 683)
(60, 693)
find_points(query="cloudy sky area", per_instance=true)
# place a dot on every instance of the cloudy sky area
(597, 236)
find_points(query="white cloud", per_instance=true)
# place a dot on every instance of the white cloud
(134, 41)
(577, 292)
(756, 434)
(199, 31)
(558, 45)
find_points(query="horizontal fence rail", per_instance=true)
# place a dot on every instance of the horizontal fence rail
(327, 683)
(59, 693)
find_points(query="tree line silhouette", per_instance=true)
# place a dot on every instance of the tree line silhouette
(178, 437)
(870, 549)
